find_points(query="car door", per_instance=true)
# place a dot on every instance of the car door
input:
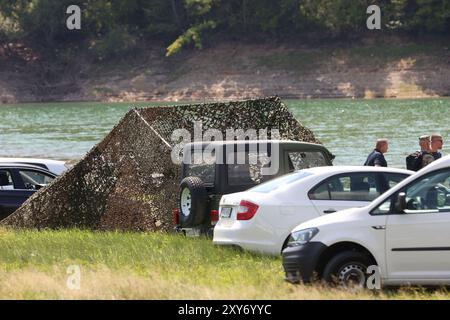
(343, 191)
(418, 239)
(12, 192)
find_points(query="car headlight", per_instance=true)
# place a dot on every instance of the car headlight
(301, 237)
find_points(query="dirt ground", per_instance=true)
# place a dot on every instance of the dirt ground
(235, 70)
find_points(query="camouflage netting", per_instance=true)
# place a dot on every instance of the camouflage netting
(128, 181)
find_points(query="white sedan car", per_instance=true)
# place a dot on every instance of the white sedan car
(262, 218)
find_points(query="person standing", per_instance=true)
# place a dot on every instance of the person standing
(436, 145)
(419, 159)
(424, 143)
(376, 157)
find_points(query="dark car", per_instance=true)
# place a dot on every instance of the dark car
(232, 166)
(18, 182)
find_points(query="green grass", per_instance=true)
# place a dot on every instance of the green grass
(33, 265)
(195, 260)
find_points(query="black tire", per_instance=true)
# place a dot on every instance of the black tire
(348, 269)
(194, 214)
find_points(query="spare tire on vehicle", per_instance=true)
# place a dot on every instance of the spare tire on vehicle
(193, 202)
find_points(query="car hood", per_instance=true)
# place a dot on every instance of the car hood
(355, 215)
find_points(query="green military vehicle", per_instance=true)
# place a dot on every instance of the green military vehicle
(212, 169)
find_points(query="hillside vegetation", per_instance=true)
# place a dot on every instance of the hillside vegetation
(208, 50)
(113, 28)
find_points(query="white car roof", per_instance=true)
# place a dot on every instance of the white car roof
(55, 166)
(31, 160)
(347, 169)
(317, 174)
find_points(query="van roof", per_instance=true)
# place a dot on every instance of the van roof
(348, 169)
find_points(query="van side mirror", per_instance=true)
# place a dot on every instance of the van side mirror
(400, 205)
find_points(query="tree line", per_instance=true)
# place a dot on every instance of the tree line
(114, 27)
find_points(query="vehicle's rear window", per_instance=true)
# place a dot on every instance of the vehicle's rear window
(205, 172)
(201, 165)
(299, 160)
(250, 172)
(274, 184)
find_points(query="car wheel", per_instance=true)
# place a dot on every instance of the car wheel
(347, 269)
(193, 202)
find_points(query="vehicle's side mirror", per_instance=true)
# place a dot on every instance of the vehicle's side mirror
(400, 205)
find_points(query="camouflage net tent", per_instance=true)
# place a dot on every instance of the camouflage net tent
(128, 181)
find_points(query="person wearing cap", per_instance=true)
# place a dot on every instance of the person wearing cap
(376, 157)
(436, 145)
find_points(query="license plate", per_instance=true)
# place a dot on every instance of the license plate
(225, 213)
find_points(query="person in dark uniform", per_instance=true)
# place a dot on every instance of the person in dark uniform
(436, 145)
(376, 157)
(424, 143)
(425, 153)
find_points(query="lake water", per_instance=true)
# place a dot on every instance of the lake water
(348, 128)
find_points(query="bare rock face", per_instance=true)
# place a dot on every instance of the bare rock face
(128, 181)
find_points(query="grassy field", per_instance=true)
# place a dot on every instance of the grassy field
(33, 265)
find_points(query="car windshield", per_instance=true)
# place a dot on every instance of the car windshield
(280, 182)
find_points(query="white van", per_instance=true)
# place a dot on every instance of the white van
(405, 233)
